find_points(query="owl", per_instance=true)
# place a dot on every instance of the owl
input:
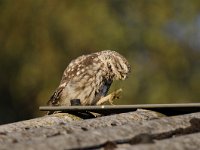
(89, 78)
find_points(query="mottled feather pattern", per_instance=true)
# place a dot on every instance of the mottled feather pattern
(89, 78)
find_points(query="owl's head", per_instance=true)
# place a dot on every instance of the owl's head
(116, 64)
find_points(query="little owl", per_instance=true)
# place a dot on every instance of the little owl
(89, 78)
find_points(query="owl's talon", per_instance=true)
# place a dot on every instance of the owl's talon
(109, 98)
(111, 102)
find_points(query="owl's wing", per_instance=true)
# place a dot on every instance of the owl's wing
(54, 100)
(68, 75)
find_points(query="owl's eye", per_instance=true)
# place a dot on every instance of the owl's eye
(109, 66)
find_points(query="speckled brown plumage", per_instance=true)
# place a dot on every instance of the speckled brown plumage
(89, 78)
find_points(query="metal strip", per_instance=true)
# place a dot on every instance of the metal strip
(168, 109)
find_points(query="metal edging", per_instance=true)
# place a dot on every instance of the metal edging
(168, 109)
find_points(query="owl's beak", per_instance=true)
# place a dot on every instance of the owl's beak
(123, 77)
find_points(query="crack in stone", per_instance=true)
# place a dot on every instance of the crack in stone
(146, 138)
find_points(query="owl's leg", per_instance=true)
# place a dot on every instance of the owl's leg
(110, 97)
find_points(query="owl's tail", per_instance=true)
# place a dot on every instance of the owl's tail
(53, 101)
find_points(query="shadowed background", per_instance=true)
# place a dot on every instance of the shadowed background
(38, 38)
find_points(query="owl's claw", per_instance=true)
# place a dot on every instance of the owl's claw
(110, 97)
(110, 101)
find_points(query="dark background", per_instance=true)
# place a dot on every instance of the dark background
(38, 38)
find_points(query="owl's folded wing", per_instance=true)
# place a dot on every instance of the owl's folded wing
(54, 100)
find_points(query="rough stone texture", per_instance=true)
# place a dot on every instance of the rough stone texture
(44, 121)
(133, 130)
(10, 132)
(185, 142)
